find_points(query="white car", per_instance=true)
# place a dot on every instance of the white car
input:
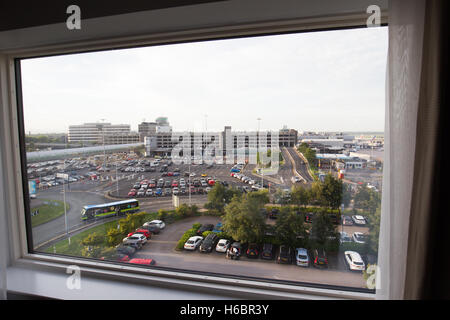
(222, 245)
(302, 257)
(354, 261)
(359, 237)
(157, 223)
(135, 239)
(193, 243)
(357, 219)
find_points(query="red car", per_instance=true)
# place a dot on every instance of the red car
(174, 183)
(169, 174)
(146, 233)
(132, 193)
(211, 182)
(145, 262)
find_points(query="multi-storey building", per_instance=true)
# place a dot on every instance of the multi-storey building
(95, 133)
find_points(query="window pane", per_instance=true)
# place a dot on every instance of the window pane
(274, 143)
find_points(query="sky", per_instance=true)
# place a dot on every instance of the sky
(314, 81)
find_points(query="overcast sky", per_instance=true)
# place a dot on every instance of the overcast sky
(317, 81)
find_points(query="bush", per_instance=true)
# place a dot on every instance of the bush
(361, 248)
(189, 233)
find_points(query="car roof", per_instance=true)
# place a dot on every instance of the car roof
(355, 256)
(359, 217)
(195, 237)
(302, 250)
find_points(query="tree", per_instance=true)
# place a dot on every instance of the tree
(374, 233)
(261, 197)
(331, 192)
(367, 199)
(323, 231)
(300, 195)
(243, 220)
(216, 198)
(93, 245)
(290, 228)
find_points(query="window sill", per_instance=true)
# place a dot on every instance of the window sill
(46, 276)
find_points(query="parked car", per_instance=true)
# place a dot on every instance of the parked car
(359, 220)
(158, 192)
(132, 193)
(252, 251)
(145, 232)
(158, 223)
(117, 257)
(285, 255)
(209, 243)
(320, 258)
(344, 237)
(128, 250)
(218, 227)
(205, 227)
(234, 251)
(153, 229)
(273, 213)
(223, 245)
(309, 217)
(146, 262)
(149, 192)
(302, 257)
(359, 237)
(193, 243)
(136, 239)
(267, 251)
(354, 261)
(347, 221)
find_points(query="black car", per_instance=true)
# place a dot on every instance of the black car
(267, 251)
(285, 255)
(273, 213)
(153, 229)
(252, 251)
(209, 243)
(320, 258)
(205, 227)
(128, 250)
(234, 251)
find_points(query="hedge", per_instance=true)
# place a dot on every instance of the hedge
(189, 233)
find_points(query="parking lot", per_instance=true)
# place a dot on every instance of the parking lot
(161, 248)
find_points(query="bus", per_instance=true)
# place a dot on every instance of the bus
(109, 209)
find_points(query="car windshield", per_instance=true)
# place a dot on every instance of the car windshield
(302, 257)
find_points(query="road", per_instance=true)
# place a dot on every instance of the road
(300, 166)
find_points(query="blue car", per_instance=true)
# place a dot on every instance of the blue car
(218, 228)
(158, 192)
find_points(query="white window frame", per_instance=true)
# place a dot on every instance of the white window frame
(20, 261)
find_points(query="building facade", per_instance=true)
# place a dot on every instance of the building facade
(95, 133)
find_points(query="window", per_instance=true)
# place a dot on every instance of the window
(306, 109)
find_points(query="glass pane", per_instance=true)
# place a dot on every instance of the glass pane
(279, 138)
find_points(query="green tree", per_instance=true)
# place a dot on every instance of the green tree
(323, 231)
(93, 245)
(243, 220)
(216, 198)
(331, 192)
(300, 196)
(374, 231)
(290, 228)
